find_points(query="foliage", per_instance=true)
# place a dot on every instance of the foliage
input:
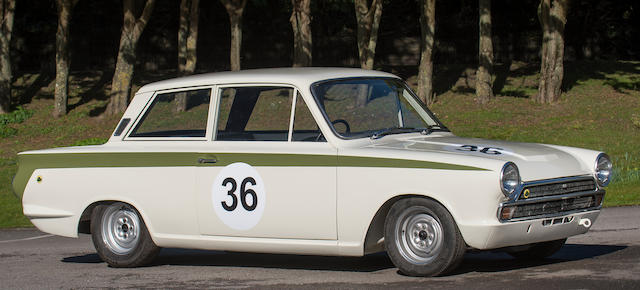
(16, 117)
(627, 168)
(635, 119)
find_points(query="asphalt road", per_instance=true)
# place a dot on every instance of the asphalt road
(608, 257)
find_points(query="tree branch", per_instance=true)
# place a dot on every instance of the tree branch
(144, 18)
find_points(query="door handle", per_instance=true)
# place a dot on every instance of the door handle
(207, 160)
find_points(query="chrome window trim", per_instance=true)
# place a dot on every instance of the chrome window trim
(218, 99)
(139, 117)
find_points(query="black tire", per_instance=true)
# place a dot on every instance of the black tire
(421, 238)
(539, 251)
(120, 236)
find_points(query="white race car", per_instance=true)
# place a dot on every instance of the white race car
(321, 161)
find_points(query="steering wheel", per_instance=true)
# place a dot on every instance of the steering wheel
(344, 122)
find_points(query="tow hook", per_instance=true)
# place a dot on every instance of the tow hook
(585, 222)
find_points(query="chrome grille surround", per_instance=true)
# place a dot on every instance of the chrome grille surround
(542, 190)
(553, 197)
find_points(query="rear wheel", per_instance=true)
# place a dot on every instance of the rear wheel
(421, 238)
(120, 236)
(539, 251)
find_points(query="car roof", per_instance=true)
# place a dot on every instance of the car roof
(297, 76)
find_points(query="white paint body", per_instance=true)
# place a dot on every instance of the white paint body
(324, 210)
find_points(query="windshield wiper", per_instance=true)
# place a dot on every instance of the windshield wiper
(388, 131)
(431, 128)
(400, 130)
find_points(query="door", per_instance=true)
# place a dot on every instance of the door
(269, 172)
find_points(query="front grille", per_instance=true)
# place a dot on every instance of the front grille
(534, 191)
(555, 206)
(549, 198)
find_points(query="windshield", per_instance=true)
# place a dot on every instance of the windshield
(372, 107)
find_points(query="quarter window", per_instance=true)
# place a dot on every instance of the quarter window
(175, 114)
(304, 126)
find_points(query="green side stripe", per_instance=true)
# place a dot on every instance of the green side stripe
(30, 162)
(352, 161)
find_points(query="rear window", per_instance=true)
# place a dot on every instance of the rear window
(175, 114)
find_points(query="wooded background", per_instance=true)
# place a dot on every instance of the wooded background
(595, 29)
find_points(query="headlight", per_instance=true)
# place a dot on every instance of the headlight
(509, 178)
(603, 169)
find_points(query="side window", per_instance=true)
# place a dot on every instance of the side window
(254, 113)
(304, 126)
(175, 114)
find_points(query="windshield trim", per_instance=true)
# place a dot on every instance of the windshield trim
(314, 85)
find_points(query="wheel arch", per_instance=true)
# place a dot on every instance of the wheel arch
(84, 223)
(374, 238)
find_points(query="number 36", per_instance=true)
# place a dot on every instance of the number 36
(243, 194)
(485, 150)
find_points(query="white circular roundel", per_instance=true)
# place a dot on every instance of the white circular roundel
(238, 196)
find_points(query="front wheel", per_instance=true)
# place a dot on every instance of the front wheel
(120, 236)
(421, 238)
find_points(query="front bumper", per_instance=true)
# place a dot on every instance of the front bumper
(499, 235)
(540, 211)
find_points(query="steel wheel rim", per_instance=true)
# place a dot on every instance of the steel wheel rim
(120, 229)
(419, 236)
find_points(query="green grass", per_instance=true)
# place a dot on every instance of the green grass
(91, 141)
(16, 117)
(10, 207)
(599, 110)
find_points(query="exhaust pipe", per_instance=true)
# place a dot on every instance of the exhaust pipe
(585, 222)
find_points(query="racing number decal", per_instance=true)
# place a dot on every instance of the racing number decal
(243, 194)
(485, 150)
(238, 196)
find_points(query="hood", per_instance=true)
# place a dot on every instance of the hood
(534, 161)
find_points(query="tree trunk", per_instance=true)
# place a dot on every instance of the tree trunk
(484, 90)
(236, 42)
(131, 31)
(188, 36)
(7, 7)
(183, 32)
(192, 39)
(553, 17)
(368, 18)
(181, 102)
(62, 57)
(235, 8)
(301, 24)
(187, 45)
(425, 69)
